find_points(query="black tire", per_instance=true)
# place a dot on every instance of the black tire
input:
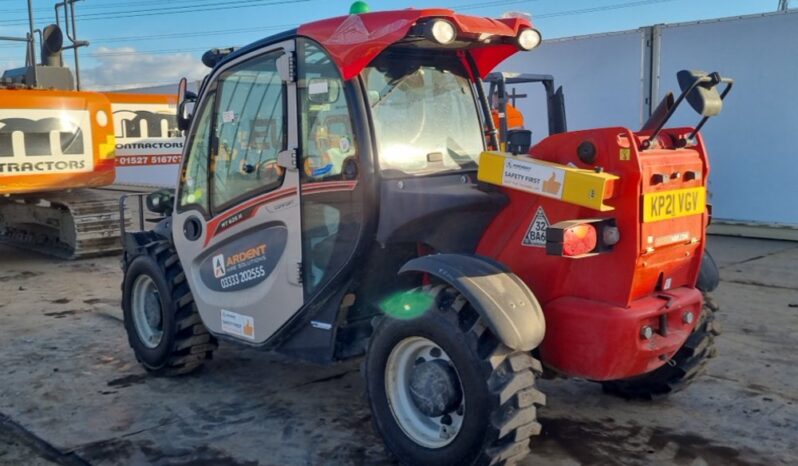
(498, 386)
(186, 343)
(708, 274)
(687, 364)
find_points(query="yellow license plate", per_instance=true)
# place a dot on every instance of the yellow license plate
(673, 204)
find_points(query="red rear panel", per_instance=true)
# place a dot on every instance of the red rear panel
(654, 255)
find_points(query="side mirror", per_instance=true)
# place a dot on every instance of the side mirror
(323, 91)
(161, 201)
(701, 91)
(184, 97)
(519, 141)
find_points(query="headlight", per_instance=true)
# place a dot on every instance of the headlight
(441, 31)
(528, 39)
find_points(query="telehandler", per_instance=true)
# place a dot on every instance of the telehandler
(343, 193)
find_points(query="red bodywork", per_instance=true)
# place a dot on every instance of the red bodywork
(354, 41)
(595, 306)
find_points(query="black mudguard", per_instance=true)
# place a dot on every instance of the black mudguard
(508, 306)
(708, 274)
(134, 243)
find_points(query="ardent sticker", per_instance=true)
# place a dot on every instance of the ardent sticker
(238, 324)
(244, 262)
(536, 233)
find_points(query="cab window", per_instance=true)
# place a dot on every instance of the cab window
(425, 114)
(327, 138)
(332, 211)
(249, 131)
(194, 178)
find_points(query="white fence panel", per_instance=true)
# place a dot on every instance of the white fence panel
(752, 143)
(601, 75)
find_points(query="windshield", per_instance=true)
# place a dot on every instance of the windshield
(425, 114)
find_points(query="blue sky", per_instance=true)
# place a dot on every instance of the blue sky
(148, 42)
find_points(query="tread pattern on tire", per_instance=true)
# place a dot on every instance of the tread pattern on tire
(510, 376)
(687, 364)
(192, 344)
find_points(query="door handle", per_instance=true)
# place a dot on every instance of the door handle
(287, 159)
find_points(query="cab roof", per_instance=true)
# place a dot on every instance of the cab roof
(353, 41)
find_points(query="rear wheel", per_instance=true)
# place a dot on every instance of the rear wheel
(685, 366)
(691, 359)
(162, 323)
(443, 390)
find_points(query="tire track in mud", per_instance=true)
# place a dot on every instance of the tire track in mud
(16, 433)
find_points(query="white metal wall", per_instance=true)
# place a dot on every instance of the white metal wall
(752, 143)
(608, 78)
(601, 76)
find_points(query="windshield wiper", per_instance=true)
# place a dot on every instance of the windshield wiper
(394, 85)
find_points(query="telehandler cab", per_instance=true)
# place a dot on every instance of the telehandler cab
(343, 193)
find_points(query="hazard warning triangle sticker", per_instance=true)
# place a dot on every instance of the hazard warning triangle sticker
(536, 233)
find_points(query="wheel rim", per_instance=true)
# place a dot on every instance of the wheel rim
(147, 311)
(428, 431)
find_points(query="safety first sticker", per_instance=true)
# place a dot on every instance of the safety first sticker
(238, 324)
(536, 233)
(533, 177)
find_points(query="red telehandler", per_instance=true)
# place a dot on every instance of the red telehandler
(343, 193)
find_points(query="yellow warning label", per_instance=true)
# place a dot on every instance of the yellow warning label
(625, 153)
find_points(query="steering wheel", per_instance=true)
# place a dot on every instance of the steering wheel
(270, 170)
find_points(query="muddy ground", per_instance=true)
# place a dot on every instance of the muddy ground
(72, 393)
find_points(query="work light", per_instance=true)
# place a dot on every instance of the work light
(441, 31)
(528, 39)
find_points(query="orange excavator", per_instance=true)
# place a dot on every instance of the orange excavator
(57, 144)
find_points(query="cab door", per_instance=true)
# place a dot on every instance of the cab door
(237, 222)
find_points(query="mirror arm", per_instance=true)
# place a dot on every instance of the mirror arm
(647, 144)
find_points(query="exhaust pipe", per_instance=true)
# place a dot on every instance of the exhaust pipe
(52, 45)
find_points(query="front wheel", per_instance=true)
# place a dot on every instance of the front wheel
(443, 390)
(162, 322)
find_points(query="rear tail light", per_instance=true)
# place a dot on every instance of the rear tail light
(581, 238)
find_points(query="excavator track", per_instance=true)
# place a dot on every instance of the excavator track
(66, 224)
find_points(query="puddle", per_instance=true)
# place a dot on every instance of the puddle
(606, 442)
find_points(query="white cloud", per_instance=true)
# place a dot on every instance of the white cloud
(123, 68)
